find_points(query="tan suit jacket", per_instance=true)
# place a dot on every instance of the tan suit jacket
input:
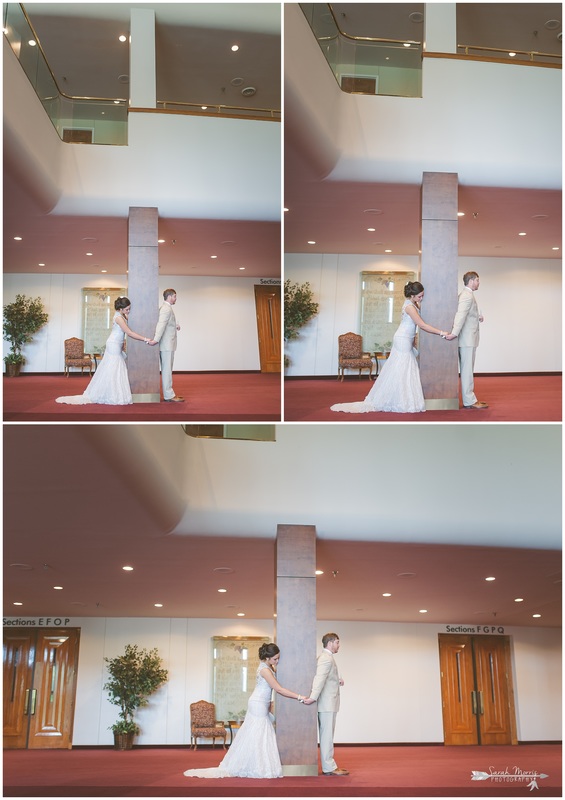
(166, 330)
(466, 322)
(325, 686)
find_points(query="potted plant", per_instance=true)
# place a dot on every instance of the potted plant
(299, 308)
(133, 677)
(22, 319)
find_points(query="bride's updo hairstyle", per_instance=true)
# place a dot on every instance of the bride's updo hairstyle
(413, 288)
(268, 651)
(121, 302)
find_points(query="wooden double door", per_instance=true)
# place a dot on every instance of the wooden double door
(476, 687)
(40, 669)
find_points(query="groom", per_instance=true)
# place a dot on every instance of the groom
(325, 689)
(166, 335)
(466, 327)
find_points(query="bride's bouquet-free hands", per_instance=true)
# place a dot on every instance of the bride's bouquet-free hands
(308, 701)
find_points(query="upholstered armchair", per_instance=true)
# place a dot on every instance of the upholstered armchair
(351, 355)
(204, 725)
(76, 357)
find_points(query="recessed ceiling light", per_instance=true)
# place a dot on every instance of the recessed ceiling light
(388, 251)
(387, 594)
(372, 211)
(490, 578)
(223, 570)
(311, 242)
(32, 43)
(512, 55)
(416, 16)
(423, 611)
(222, 590)
(160, 241)
(522, 234)
(158, 605)
(103, 270)
(285, 209)
(319, 572)
(518, 599)
(372, 229)
(89, 254)
(123, 38)
(555, 248)
(123, 78)
(536, 616)
(235, 48)
(41, 265)
(17, 238)
(242, 268)
(237, 81)
(240, 614)
(213, 256)
(127, 569)
(552, 24)
(460, 213)
(204, 108)
(18, 604)
(406, 44)
(58, 587)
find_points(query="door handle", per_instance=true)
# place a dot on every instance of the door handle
(26, 702)
(481, 703)
(474, 701)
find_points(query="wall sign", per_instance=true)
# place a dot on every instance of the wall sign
(490, 629)
(39, 622)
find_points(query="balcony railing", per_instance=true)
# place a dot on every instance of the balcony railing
(94, 120)
(364, 64)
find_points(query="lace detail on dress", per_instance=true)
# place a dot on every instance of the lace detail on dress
(110, 383)
(254, 752)
(398, 387)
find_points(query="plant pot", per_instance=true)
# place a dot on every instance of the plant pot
(123, 741)
(13, 370)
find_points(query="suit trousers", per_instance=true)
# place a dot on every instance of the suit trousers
(167, 357)
(326, 724)
(466, 371)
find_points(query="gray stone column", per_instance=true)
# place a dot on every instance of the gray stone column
(296, 724)
(438, 273)
(143, 291)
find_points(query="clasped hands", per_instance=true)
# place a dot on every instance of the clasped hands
(151, 342)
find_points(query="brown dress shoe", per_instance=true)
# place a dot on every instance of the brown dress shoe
(478, 404)
(338, 772)
(175, 399)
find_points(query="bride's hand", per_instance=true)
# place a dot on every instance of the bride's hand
(151, 342)
(450, 336)
(308, 701)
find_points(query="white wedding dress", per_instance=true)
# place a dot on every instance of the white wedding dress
(398, 387)
(254, 752)
(110, 382)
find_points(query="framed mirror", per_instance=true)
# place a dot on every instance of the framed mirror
(234, 664)
(382, 297)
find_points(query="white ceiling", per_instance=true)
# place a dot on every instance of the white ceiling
(195, 64)
(449, 505)
(333, 213)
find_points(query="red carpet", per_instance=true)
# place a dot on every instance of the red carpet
(209, 396)
(379, 771)
(511, 398)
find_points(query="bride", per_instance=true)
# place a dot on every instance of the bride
(398, 387)
(110, 382)
(254, 752)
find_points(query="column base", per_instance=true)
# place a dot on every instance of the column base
(150, 397)
(442, 404)
(299, 769)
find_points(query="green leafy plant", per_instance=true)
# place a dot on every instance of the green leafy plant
(299, 308)
(133, 677)
(22, 319)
